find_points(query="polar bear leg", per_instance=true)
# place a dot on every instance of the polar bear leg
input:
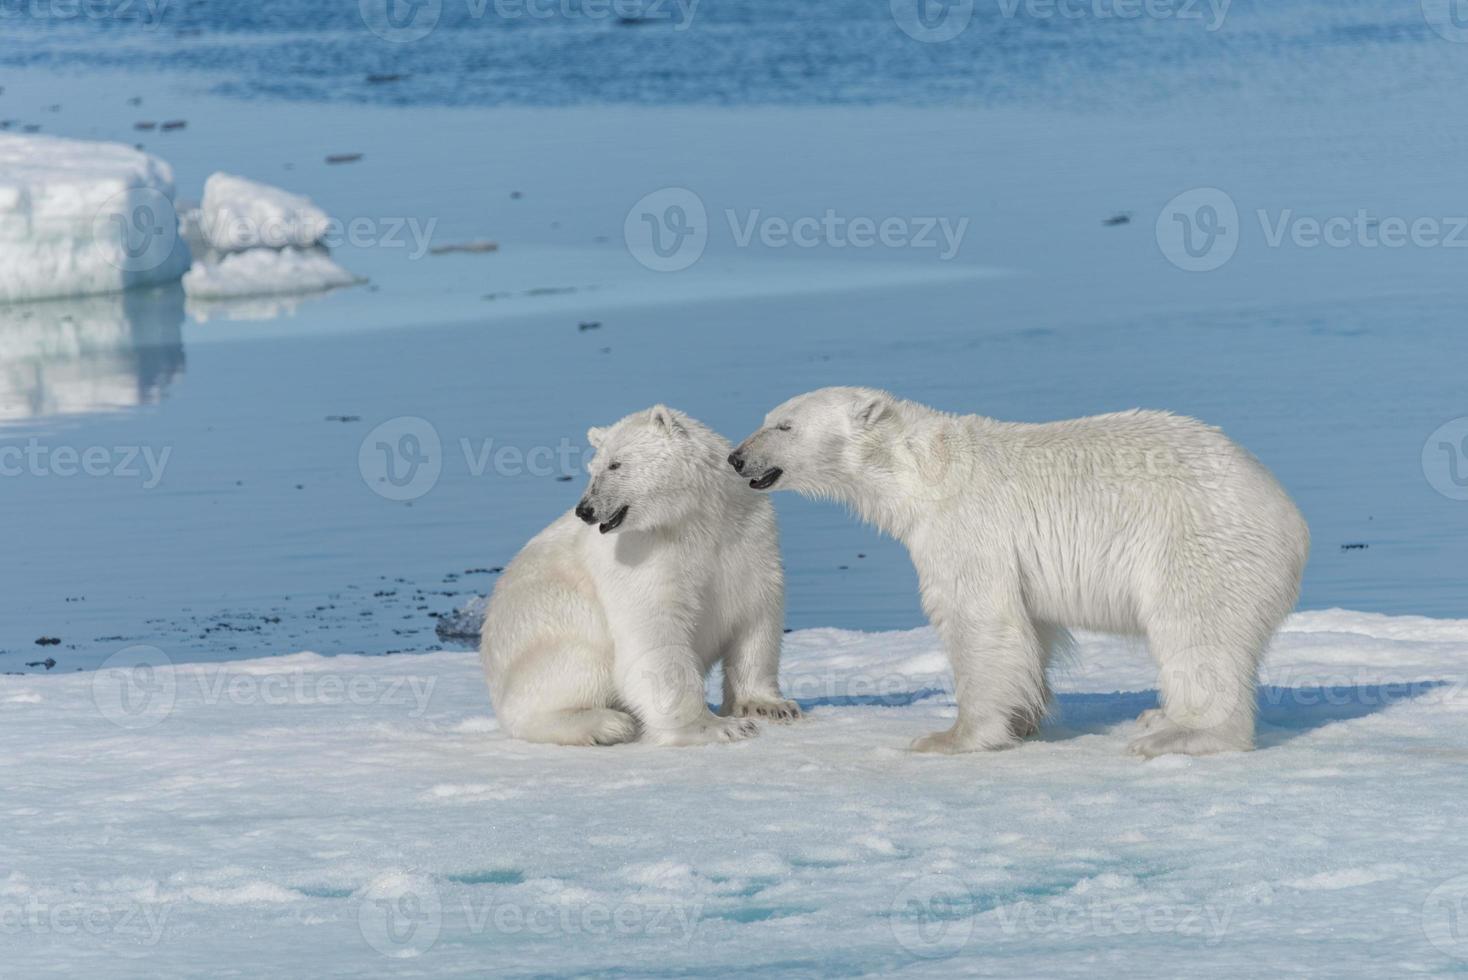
(998, 659)
(663, 684)
(561, 692)
(751, 675)
(1207, 683)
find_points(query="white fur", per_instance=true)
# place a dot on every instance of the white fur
(592, 636)
(1136, 522)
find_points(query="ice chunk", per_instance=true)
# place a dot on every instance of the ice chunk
(239, 214)
(265, 272)
(79, 218)
(463, 625)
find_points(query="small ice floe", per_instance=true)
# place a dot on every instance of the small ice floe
(80, 218)
(463, 625)
(254, 240)
(239, 214)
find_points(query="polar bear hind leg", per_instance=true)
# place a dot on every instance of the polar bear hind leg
(563, 696)
(1207, 686)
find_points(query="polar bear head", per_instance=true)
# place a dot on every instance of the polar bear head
(858, 445)
(818, 443)
(651, 469)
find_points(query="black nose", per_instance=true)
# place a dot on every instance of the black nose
(736, 461)
(585, 512)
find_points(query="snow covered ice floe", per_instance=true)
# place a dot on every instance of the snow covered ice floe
(238, 214)
(364, 815)
(79, 218)
(251, 240)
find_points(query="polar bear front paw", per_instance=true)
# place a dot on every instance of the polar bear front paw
(705, 731)
(775, 709)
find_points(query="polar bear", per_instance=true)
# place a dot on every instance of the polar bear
(1137, 522)
(596, 633)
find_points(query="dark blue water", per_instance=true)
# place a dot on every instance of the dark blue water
(491, 52)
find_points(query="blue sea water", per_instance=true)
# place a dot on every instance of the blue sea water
(1059, 137)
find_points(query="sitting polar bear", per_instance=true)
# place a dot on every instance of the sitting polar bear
(595, 632)
(1137, 522)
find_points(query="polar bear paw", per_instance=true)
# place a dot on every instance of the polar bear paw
(1169, 739)
(705, 731)
(1152, 720)
(954, 742)
(775, 709)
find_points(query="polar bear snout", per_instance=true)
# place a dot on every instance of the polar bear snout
(585, 511)
(761, 474)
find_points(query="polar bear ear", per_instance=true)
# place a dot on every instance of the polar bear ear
(872, 410)
(596, 436)
(665, 418)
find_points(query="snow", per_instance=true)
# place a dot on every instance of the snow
(80, 217)
(239, 214)
(363, 815)
(264, 272)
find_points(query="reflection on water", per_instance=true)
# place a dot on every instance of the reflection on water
(90, 354)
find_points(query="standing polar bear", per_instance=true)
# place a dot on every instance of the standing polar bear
(1136, 522)
(593, 633)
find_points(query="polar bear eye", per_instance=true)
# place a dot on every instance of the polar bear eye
(614, 466)
(783, 427)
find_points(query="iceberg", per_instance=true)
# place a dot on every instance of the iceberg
(80, 218)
